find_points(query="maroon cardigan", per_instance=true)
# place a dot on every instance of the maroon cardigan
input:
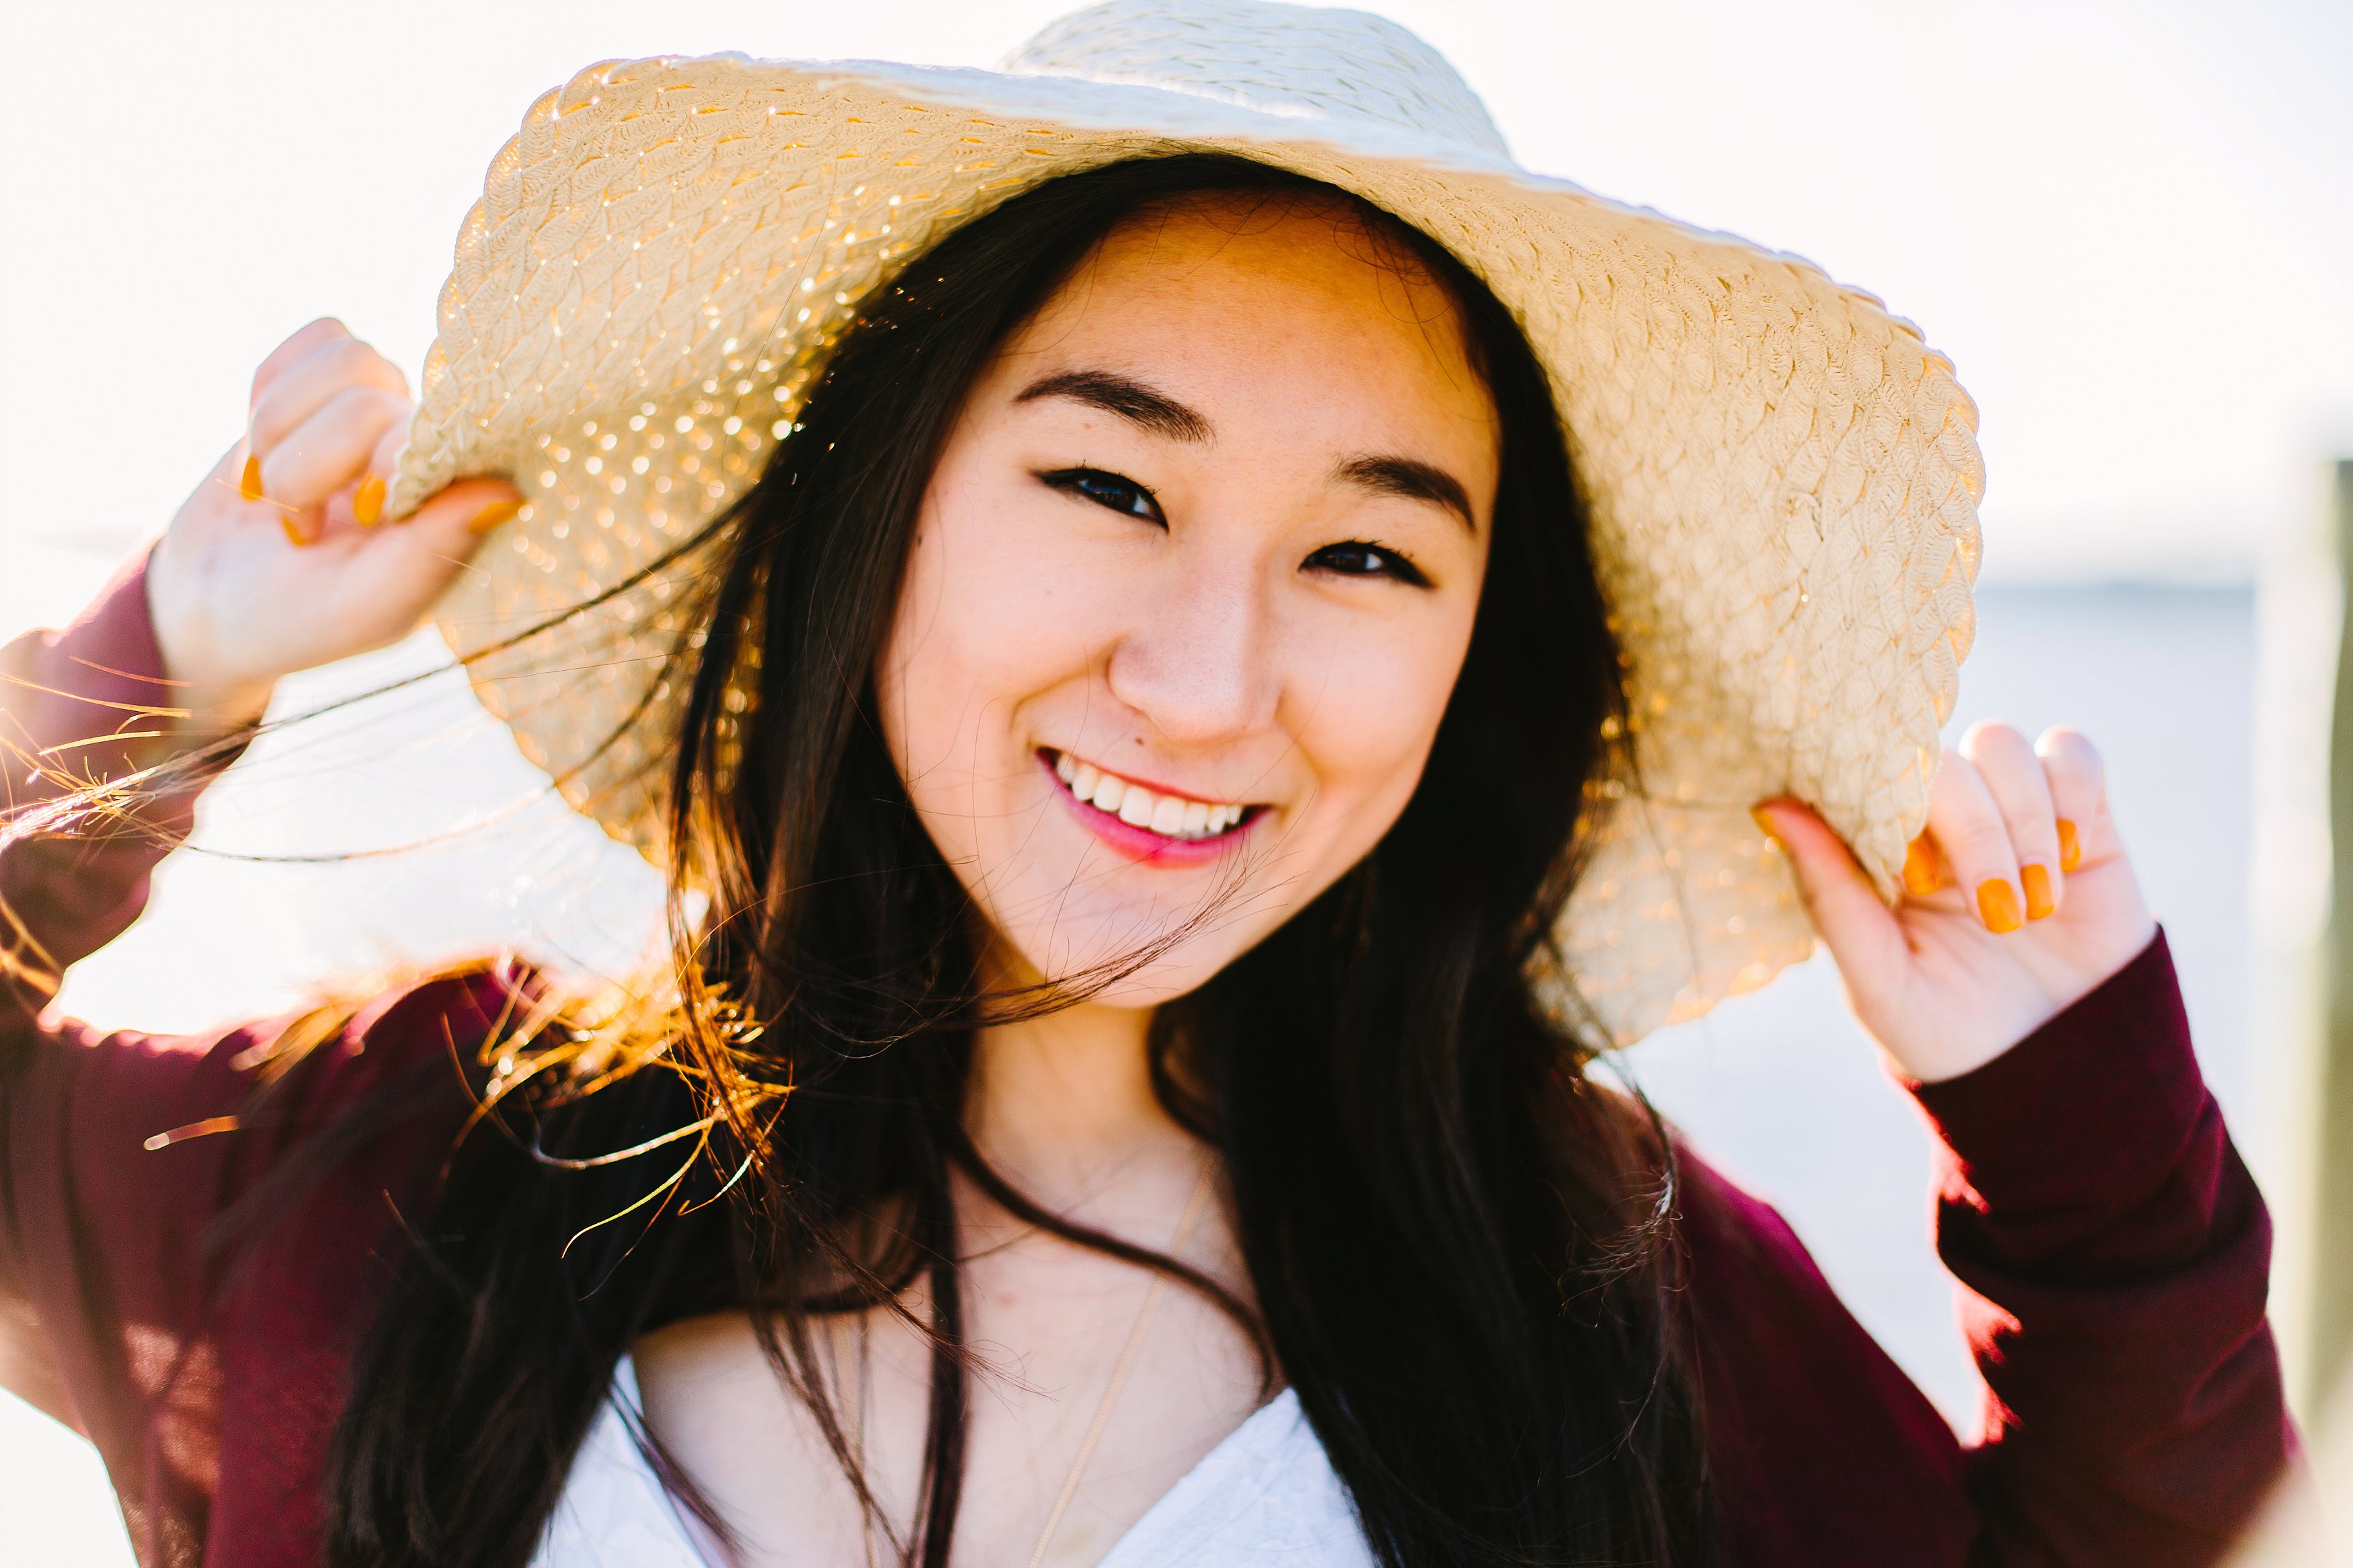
(2111, 1248)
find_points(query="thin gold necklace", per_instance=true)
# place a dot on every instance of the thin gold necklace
(1194, 1207)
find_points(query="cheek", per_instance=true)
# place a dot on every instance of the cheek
(993, 616)
(1368, 708)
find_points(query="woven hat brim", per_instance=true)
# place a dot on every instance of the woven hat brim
(1782, 478)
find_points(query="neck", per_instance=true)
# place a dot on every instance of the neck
(1063, 1104)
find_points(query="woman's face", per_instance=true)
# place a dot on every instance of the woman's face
(1190, 589)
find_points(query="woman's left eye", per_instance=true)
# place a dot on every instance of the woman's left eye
(1358, 559)
(1109, 491)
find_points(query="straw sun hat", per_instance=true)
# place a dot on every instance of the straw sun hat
(1782, 478)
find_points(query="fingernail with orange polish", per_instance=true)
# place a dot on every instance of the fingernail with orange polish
(1920, 877)
(1998, 906)
(492, 516)
(2036, 881)
(367, 502)
(293, 531)
(1764, 820)
(2070, 854)
(249, 484)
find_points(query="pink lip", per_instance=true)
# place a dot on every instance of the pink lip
(1135, 843)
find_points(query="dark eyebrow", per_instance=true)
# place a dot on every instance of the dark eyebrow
(1130, 399)
(1410, 478)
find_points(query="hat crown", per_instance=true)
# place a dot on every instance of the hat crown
(1293, 60)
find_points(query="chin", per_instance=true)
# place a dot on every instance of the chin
(1103, 914)
(1162, 981)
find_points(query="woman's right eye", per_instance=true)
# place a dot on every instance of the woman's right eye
(1108, 490)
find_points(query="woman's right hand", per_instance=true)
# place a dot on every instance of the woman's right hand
(280, 560)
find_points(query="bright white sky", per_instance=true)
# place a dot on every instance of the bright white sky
(2130, 223)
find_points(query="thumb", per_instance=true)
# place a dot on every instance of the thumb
(1846, 907)
(459, 516)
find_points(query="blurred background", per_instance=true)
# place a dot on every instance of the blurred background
(2130, 225)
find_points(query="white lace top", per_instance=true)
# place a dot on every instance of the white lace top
(1264, 1498)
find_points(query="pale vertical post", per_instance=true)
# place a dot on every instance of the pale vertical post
(2328, 1217)
(2302, 1150)
(2298, 915)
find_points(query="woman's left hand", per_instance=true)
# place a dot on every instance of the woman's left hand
(2017, 901)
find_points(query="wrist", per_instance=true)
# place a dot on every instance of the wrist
(1960, 1051)
(211, 709)
(2120, 1056)
(2055, 983)
(211, 702)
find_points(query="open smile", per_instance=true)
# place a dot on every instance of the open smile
(1109, 803)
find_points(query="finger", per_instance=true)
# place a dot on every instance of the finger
(304, 388)
(331, 449)
(1923, 869)
(298, 347)
(433, 543)
(386, 456)
(1846, 907)
(2078, 782)
(1974, 842)
(367, 502)
(2013, 775)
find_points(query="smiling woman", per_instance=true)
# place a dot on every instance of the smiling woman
(1180, 712)
(1144, 553)
(1129, 548)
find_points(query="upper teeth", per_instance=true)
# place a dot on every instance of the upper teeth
(1170, 815)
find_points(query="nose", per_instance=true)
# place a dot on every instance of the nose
(1198, 661)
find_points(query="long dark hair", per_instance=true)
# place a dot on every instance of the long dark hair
(1459, 1246)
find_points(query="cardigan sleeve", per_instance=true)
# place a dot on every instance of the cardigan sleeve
(129, 1162)
(2113, 1254)
(81, 706)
